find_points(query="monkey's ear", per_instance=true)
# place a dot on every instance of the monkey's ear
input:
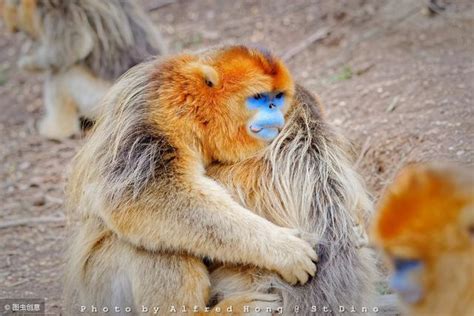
(209, 74)
(466, 220)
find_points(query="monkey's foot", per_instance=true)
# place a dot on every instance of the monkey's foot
(252, 304)
(58, 129)
(26, 63)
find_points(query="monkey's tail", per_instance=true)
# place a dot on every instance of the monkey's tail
(332, 202)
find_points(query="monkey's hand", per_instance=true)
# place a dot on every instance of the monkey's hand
(295, 260)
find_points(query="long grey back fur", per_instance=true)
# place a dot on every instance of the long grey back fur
(122, 34)
(330, 202)
(127, 155)
(309, 183)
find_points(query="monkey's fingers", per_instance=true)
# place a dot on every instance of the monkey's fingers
(266, 297)
(310, 269)
(302, 276)
(289, 278)
(304, 270)
(310, 252)
(253, 301)
(313, 255)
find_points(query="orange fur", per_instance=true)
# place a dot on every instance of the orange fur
(20, 16)
(9, 14)
(428, 215)
(27, 17)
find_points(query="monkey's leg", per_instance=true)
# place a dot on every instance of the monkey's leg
(247, 289)
(116, 276)
(62, 118)
(10, 16)
(169, 281)
(86, 90)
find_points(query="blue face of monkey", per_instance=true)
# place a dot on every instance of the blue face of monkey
(268, 118)
(405, 280)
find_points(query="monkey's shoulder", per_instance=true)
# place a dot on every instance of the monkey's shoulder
(309, 101)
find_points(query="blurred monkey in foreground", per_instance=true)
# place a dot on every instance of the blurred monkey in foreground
(82, 46)
(425, 225)
(216, 157)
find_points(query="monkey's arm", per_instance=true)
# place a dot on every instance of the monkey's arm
(201, 218)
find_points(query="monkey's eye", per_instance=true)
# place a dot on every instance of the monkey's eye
(470, 231)
(406, 264)
(258, 96)
(279, 95)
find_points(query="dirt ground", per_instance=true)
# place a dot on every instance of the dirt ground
(395, 81)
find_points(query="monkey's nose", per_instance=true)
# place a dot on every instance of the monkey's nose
(271, 106)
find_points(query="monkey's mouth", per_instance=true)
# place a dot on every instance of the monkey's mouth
(266, 133)
(410, 296)
(259, 129)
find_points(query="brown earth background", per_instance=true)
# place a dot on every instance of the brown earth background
(397, 81)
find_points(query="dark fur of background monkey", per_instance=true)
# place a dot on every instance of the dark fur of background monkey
(117, 45)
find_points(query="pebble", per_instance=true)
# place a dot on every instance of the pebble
(210, 15)
(257, 37)
(24, 165)
(169, 17)
(210, 35)
(337, 122)
(385, 95)
(39, 200)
